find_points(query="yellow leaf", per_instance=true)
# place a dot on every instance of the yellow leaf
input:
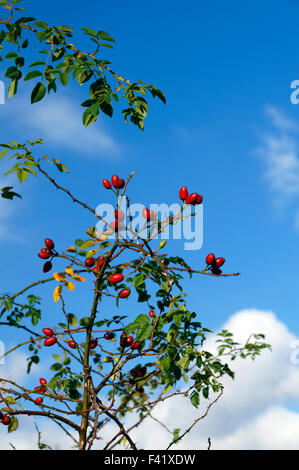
(60, 277)
(78, 278)
(70, 285)
(71, 248)
(57, 293)
(91, 253)
(69, 271)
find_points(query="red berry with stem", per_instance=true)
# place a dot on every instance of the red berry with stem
(106, 184)
(6, 420)
(44, 255)
(89, 262)
(198, 200)
(93, 344)
(119, 215)
(116, 278)
(129, 340)
(50, 341)
(151, 313)
(48, 331)
(49, 243)
(133, 373)
(39, 400)
(191, 198)
(71, 344)
(43, 381)
(124, 293)
(101, 261)
(115, 180)
(109, 335)
(121, 183)
(135, 345)
(183, 193)
(141, 372)
(210, 259)
(47, 267)
(219, 262)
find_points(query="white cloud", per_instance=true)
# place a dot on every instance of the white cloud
(253, 413)
(58, 121)
(279, 153)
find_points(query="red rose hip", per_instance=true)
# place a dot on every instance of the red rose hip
(106, 184)
(6, 420)
(183, 193)
(89, 262)
(50, 341)
(49, 243)
(115, 180)
(124, 293)
(191, 198)
(210, 259)
(39, 400)
(115, 278)
(135, 345)
(48, 331)
(151, 313)
(47, 267)
(71, 344)
(219, 262)
(42, 381)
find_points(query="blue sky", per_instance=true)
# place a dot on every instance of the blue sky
(228, 131)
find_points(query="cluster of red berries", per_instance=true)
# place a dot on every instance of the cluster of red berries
(46, 253)
(51, 339)
(117, 278)
(128, 341)
(193, 198)
(42, 389)
(5, 418)
(137, 373)
(92, 344)
(100, 261)
(117, 224)
(117, 182)
(214, 263)
(149, 215)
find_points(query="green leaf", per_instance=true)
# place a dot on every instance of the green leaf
(138, 280)
(38, 92)
(195, 399)
(13, 425)
(88, 117)
(64, 78)
(33, 74)
(22, 175)
(105, 36)
(3, 153)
